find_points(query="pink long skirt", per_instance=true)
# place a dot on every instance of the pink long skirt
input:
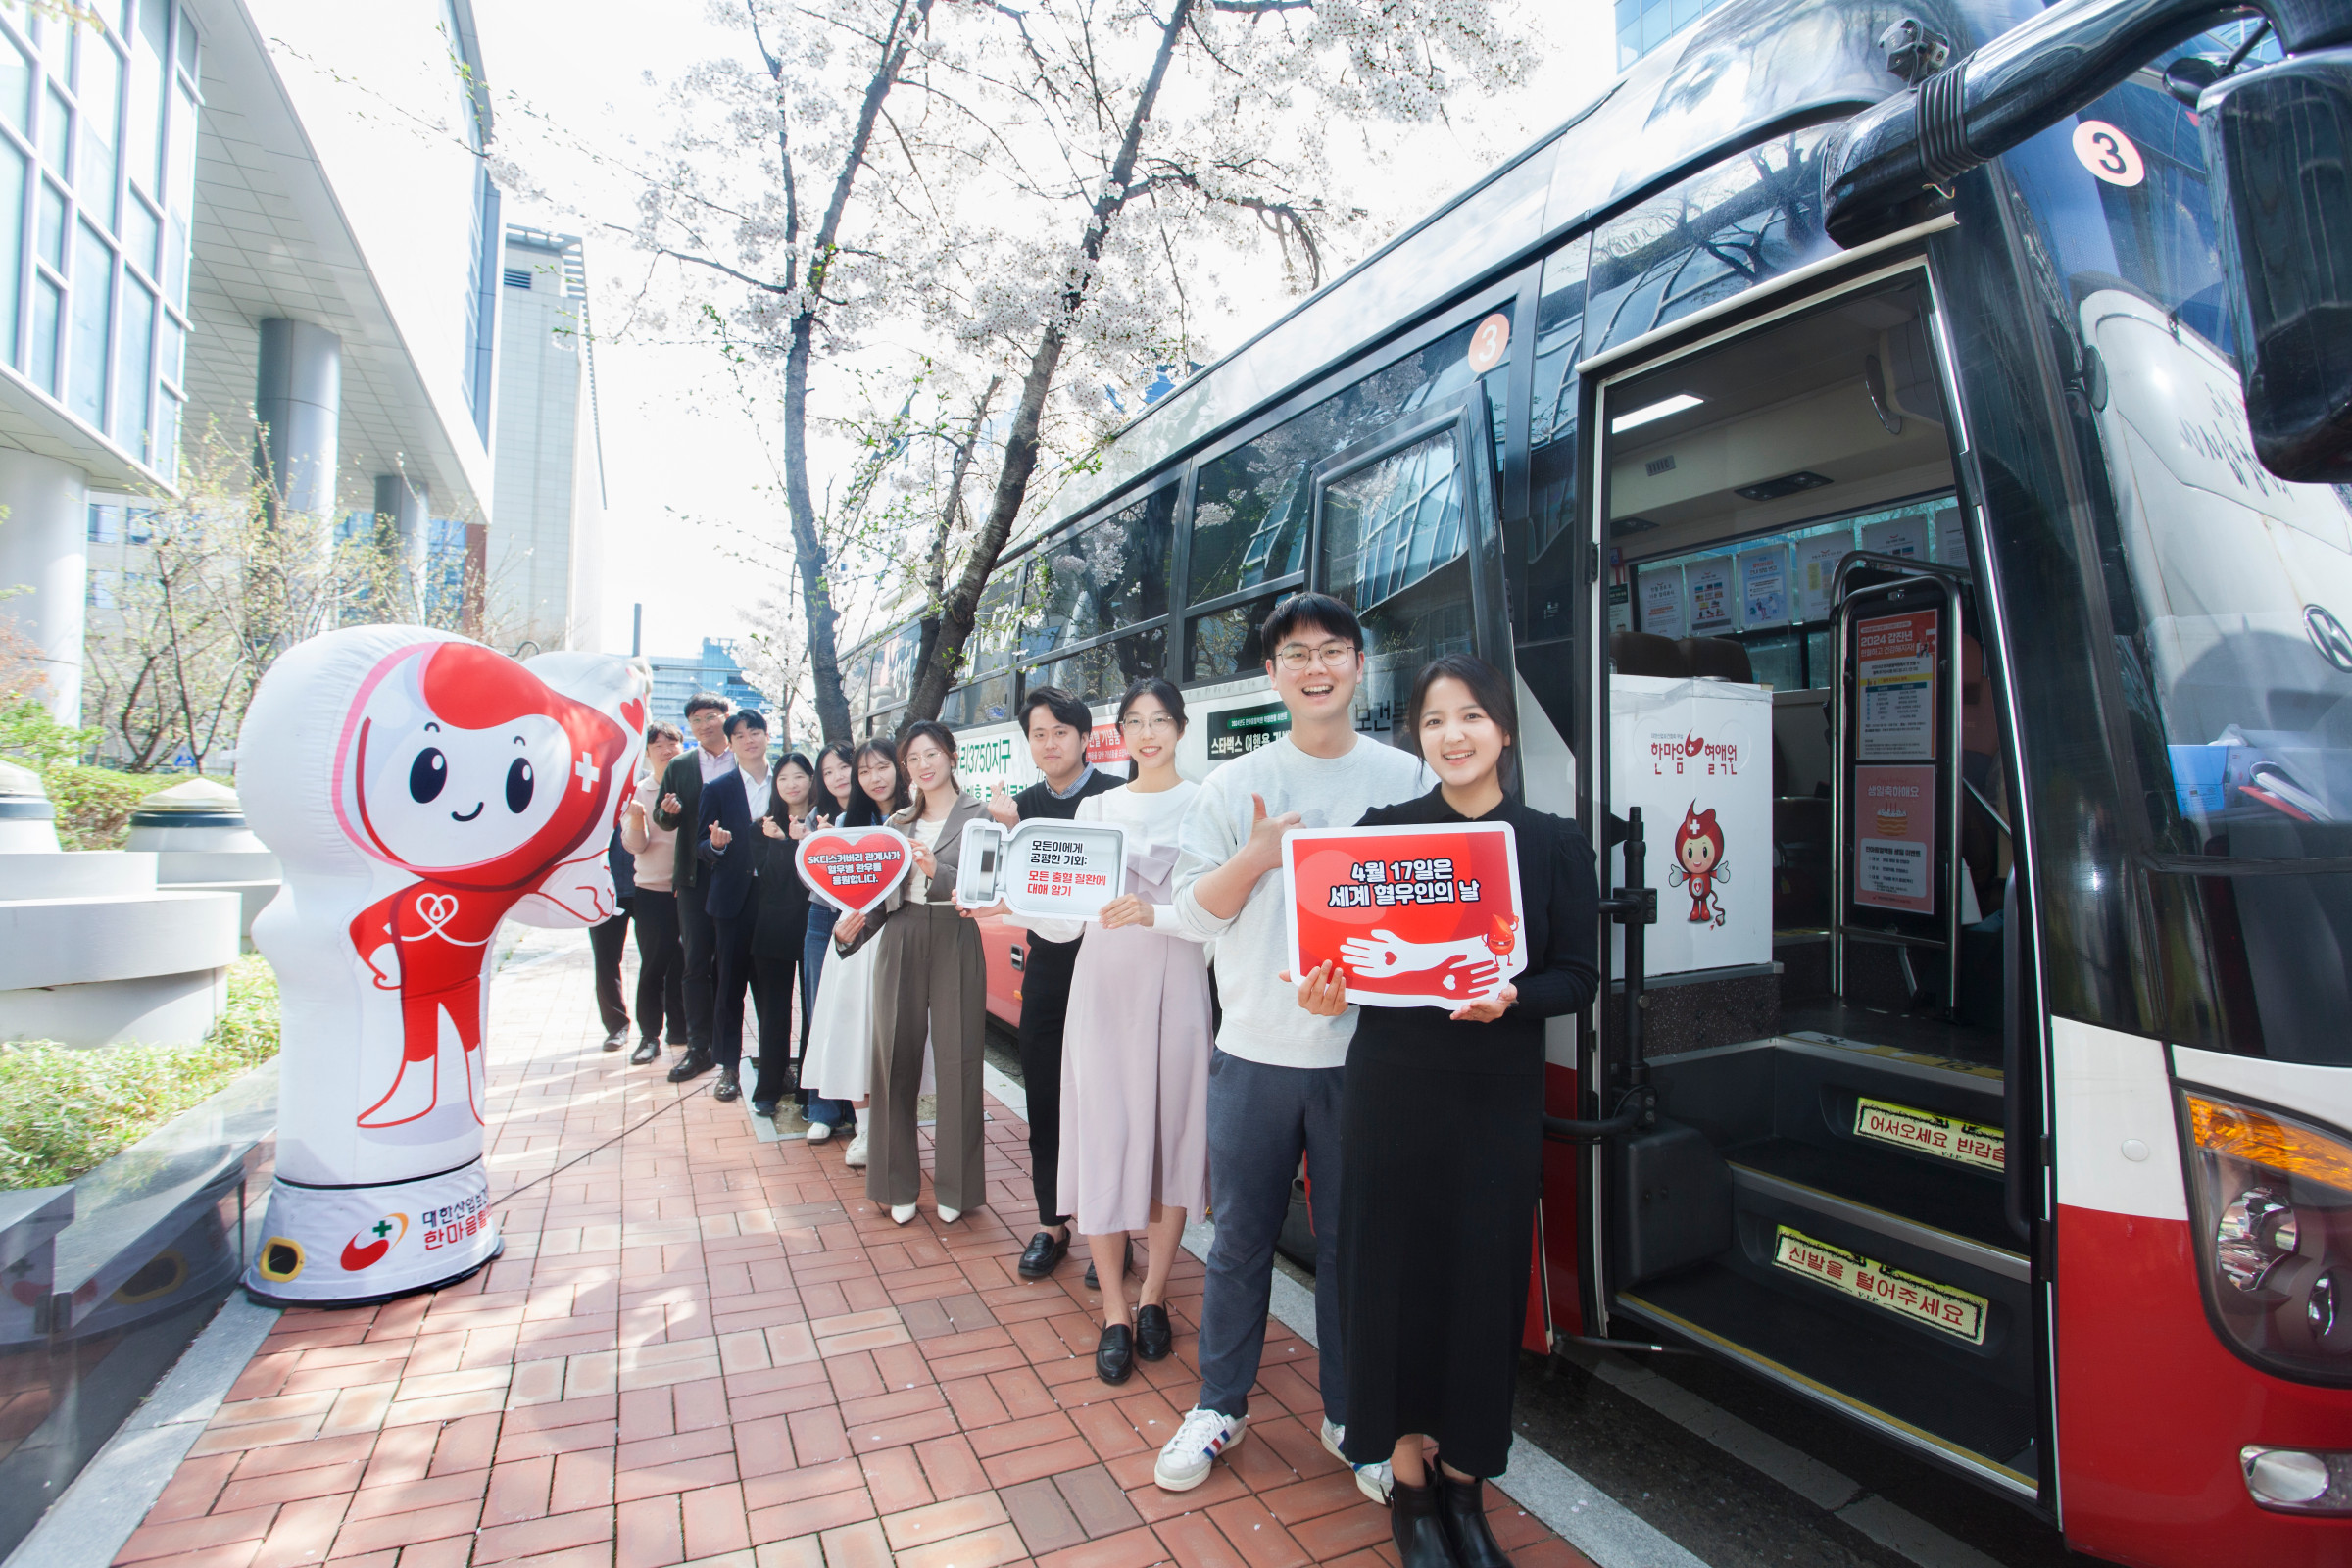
(1135, 1080)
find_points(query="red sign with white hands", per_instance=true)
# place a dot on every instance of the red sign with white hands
(1413, 917)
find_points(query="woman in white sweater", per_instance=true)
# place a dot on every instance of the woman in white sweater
(1135, 1047)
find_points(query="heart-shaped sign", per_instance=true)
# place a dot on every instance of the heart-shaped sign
(855, 869)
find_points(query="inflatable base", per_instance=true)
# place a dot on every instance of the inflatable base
(348, 1245)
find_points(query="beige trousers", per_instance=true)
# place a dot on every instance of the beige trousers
(930, 981)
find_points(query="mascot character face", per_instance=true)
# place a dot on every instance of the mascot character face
(460, 765)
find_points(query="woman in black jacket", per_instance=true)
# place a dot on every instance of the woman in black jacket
(1435, 1232)
(781, 932)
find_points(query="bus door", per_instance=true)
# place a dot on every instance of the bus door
(1792, 697)
(1406, 534)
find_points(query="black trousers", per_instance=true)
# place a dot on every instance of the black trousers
(732, 980)
(606, 941)
(1045, 1002)
(772, 975)
(661, 965)
(699, 979)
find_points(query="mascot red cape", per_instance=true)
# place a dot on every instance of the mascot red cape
(419, 789)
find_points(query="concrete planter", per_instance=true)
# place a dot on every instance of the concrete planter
(201, 842)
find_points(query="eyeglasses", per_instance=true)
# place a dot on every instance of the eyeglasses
(1152, 724)
(1331, 655)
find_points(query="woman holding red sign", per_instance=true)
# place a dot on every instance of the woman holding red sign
(1434, 1235)
(838, 1063)
(1135, 1046)
(930, 983)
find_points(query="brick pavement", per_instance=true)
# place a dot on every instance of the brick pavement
(703, 1348)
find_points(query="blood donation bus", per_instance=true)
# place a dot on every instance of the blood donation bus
(1860, 431)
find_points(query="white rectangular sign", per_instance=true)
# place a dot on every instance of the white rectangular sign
(1043, 869)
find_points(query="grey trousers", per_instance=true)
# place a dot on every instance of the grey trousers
(930, 980)
(1261, 1119)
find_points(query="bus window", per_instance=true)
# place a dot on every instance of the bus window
(1747, 219)
(1104, 672)
(995, 635)
(1109, 575)
(2234, 594)
(1225, 644)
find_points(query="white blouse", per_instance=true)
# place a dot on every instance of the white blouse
(1152, 821)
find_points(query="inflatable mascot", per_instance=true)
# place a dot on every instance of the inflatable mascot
(418, 789)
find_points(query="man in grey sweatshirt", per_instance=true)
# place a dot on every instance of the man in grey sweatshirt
(1274, 1081)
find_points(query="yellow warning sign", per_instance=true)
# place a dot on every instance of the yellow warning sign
(1947, 1137)
(1957, 1312)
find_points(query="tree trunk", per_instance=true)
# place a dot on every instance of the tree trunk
(960, 611)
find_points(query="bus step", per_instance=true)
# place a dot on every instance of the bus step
(1900, 1188)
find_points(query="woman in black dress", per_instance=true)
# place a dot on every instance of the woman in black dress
(1435, 1232)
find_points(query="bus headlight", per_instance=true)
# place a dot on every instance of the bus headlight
(2273, 1198)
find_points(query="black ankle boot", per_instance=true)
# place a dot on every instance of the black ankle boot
(1420, 1534)
(1462, 1507)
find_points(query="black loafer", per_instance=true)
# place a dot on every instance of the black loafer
(1154, 1335)
(1044, 1255)
(692, 1064)
(617, 1039)
(726, 1088)
(765, 1108)
(1114, 1357)
(1462, 1510)
(647, 1050)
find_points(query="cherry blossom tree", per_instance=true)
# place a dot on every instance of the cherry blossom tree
(1039, 198)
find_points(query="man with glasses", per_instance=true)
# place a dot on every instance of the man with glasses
(1274, 1081)
(1058, 725)
(679, 806)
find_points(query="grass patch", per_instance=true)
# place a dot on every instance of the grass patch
(64, 1111)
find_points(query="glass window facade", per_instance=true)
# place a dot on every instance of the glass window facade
(1644, 24)
(97, 178)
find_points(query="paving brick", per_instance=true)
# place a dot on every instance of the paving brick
(811, 1514)
(950, 1467)
(1042, 1515)
(715, 1521)
(1103, 1510)
(432, 1491)
(302, 1533)
(856, 1545)
(648, 1534)
(1258, 1535)
(983, 1548)
(941, 1521)
(519, 1491)
(405, 1529)
(1131, 1548)
(895, 1479)
(193, 1534)
(1196, 1542)
(1027, 1464)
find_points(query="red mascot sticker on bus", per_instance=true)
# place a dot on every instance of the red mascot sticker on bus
(1415, 916)
(1699, 865)
(468, 772)
(855, 869)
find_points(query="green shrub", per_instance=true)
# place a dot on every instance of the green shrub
(94, 803)
(64, 1111)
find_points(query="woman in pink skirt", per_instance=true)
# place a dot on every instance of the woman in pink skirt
(1135, 1047)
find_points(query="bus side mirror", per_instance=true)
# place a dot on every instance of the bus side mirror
(2279, 139)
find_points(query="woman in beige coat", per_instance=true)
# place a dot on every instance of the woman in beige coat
(930, 980)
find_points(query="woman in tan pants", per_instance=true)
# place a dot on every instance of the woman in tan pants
(930, 981)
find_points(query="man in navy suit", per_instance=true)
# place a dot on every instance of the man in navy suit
(729, 845)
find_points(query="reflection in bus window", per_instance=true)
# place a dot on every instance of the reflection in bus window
(1718, 233)
(1394, 522)
(1226, 643)
(1111, 574)
(1249, 505)
(1104, 672)
(2235, 658)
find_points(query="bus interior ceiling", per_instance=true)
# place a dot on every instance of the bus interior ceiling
(1832, 1134)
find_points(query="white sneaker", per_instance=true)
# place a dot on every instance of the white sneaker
(900, 1213)
(948, 1216)
(855, 1158)
(1374, 1480)
(819, 1131)
(1185, 1459)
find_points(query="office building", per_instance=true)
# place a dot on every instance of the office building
(716, 671)
(545, 580)
(298, 269)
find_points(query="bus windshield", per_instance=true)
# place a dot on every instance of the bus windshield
(2234, 594)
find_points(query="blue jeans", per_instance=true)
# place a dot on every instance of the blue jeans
(819, 940)
(1261, 1119)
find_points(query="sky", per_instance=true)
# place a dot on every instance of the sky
(686, 475)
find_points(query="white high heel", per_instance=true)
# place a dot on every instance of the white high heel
(902, 1212)
(948, 1216)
